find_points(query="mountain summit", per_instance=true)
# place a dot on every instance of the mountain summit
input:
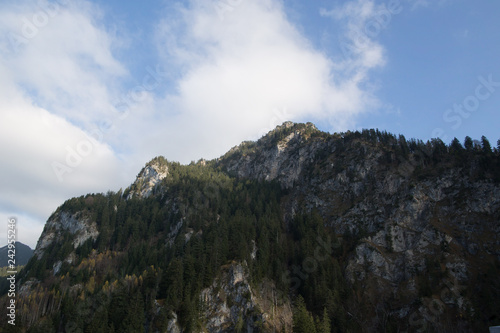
(300, 231)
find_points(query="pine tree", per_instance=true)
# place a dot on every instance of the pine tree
(118, 307)
(486, 145)
(456, 146)
(134, 320)
(405, 150)
(324, 325)
(468, 143)
(439, 150)
(99, 323)
(303, 321)
(174, 282)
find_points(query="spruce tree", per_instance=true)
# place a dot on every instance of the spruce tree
(486, 145)
(303, 321)
(468, 143)
(134, 320)
(324, 325)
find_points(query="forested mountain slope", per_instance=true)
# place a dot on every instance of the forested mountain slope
(303, 230)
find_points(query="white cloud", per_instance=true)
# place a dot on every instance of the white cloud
(237, 73)
(238, 68)
(363, 21)
(33, 141)
(62, 57)
(56, 81)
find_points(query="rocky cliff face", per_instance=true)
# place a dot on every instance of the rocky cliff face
(283, 159)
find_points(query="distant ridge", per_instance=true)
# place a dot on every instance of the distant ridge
(23, 254)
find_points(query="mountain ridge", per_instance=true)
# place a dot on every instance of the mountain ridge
(410, 225)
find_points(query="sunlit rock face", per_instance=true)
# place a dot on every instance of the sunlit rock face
(149, 177)
(78, 225)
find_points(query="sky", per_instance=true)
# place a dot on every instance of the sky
(90, 91)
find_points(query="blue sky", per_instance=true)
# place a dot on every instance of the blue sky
(92, 90)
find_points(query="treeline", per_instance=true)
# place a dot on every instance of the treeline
(476, 159)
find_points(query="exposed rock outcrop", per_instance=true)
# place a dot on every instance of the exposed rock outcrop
(148, 179)
(231, 304)
(78, 225)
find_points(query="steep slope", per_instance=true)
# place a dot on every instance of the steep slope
(376, 233)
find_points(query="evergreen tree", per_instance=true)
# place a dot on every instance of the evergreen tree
(405, 150)
(174, 282)
(303, 321)
(486, 145)
(439, 150)
(134, 319)
(99, 323)
(456, 146)
(324, 325)
(188, 314)
(468, 143)
(118, 307)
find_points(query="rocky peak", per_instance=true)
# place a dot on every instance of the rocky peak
(281, 154)
(148, 178)
(287, 129)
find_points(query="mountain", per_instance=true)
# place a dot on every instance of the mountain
(301, 230)
(22, 255)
